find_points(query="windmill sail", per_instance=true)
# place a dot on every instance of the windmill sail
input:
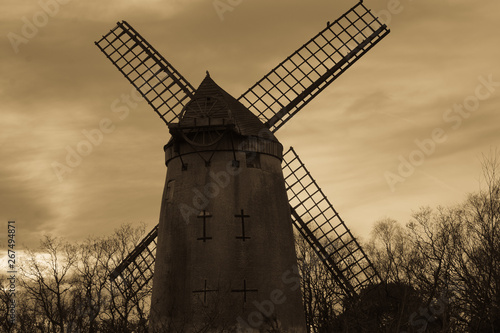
(286, 89)
(163, 87)
(136, 270)
(314, 218)
(321, 226)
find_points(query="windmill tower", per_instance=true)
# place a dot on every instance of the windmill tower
(223, 252)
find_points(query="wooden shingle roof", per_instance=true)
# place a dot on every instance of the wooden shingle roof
(212, 104)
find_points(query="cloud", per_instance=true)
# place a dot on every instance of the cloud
(59, 85)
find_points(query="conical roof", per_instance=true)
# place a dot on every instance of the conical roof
(213, 105)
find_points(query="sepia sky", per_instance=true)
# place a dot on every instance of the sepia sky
(427, 82)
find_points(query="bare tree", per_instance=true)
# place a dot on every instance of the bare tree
(91, 277)
(392, 250)
(48, 281)
(321, 296)
(477, 266)
(125, 311)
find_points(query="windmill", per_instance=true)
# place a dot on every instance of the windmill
(224, 247)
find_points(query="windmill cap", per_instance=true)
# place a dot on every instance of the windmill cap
(213, 106)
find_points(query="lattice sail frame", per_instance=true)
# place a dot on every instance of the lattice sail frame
(163, 87)
(286, 89)
(321, 226)
(136, 270)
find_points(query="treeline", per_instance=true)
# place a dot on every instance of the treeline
(440, 272)
(65, 287)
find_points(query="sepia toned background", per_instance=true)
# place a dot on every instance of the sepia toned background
(55, 86)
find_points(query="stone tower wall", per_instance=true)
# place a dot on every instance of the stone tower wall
(225, 256)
